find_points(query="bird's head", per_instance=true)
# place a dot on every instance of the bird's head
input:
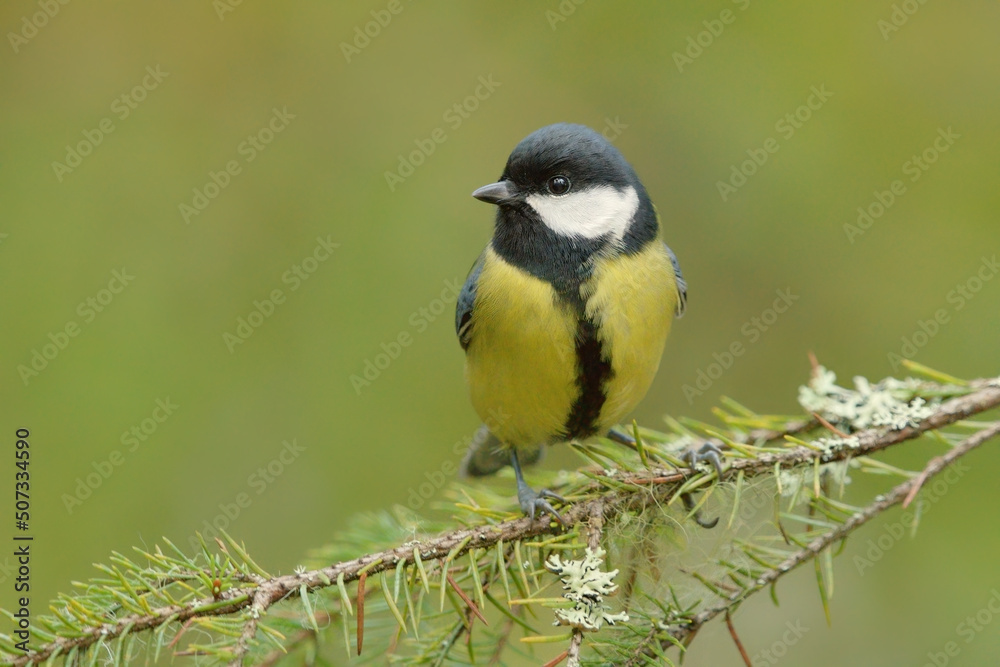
(573, 181)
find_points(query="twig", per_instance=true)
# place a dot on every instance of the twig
(813, 548)
(736, 640)
(595, 528)
(656, 486)
(261, 602)
(595, 525)
(573, 652)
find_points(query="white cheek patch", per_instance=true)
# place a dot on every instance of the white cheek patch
(588, 213)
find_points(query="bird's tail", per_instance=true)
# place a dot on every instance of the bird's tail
(487, 454)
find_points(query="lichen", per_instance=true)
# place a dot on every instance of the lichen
(887, 403)
(586, 584)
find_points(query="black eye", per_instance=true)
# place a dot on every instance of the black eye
(558, 185)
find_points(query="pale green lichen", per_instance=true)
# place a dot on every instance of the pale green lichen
(866, 406)
(835, 444)
(586, 584)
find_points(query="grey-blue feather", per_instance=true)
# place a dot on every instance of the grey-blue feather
(682, 286)
(466, 299)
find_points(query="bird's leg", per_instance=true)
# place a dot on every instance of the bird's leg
(621, 438)
(711, 452)
(530, 500)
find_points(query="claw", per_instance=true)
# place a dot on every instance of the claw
(531, 506)
(545, 493)
(532, 501)
(711, 452)
(689, 505)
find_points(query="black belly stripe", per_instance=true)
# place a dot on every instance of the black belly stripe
(593, 373)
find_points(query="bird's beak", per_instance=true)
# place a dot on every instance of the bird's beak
(495, 193)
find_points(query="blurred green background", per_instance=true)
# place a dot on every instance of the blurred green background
(330, 120)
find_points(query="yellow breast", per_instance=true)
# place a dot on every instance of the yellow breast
(632, 299)
(521, 363)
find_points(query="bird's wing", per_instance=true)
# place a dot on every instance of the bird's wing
(466, 299)
(682, 292)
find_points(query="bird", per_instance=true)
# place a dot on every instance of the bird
(564, 315)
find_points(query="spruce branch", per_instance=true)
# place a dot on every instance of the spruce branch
(236, 601)
(811, 550)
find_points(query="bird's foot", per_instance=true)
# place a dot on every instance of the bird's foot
(710, 452)
(532, 501)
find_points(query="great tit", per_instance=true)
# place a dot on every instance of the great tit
(564, 316)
